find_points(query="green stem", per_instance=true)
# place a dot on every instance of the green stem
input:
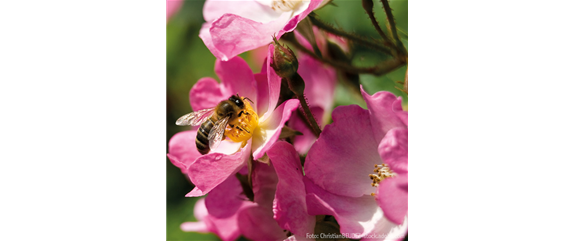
(393, 26)
(368, 6)
(331, 29)
(376, 70)
(296, 78)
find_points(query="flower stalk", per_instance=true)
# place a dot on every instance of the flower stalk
(285, 65)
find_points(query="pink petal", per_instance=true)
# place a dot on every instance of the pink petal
(262, 94)
(172, 6)
(205, 35)
(393, 199)
(210, 170)
(237, 78)
(264, 184)
(223, 204)
(382, 114)
(289, 206)
(213, 9)
(182, 149)
(358, 215)
(320, 83)
(345, 154)
(394, 148)
(194, 227)
(268, 132)
(206, 93)
(398, 109)
(257, 223)
(292, 24)
(226, 199)
(200, 210)
(232, 34)
(303, 143)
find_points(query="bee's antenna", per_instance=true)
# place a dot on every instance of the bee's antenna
(245, 98)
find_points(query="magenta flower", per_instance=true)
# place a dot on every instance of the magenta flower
(208, 171)
(278, 205)
(172, 6)
(233, 27)
(339, 168)
(279, 196)
(218, 212)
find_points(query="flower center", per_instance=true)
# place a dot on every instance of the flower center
(382, 172)
(285, 5)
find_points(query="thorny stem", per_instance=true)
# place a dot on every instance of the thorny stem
(306, 110)
(368, 6)
(382, 68)
(331, 29)
(392, 26)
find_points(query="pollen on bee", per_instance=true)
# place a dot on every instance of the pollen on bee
(241, 128)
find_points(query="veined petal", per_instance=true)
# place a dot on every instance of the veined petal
(206, 93)
(226, 199)
(290, 209)
(303, 143)
(394, 149)
(210, 170)
(269, 129)
(393, 199)
(345, 154)
(232, 34)
(382, 108)
(298, 16)
(236, 78)
(257, 223)
(182, 149)
(357, 215)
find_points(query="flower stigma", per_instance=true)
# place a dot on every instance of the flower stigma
(382, 172)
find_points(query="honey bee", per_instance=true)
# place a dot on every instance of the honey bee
(233, 118)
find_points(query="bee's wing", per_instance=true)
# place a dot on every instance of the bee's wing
(216, 134)
(195, 118)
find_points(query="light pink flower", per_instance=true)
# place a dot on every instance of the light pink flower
(339, 163)
(209, 170)
(233, 27)
(172, 6)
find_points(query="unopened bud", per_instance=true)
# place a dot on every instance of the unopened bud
(284, 63)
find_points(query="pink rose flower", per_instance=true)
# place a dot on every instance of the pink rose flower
(339, 165)
(172, 6)
(208, 171)
(233, 27)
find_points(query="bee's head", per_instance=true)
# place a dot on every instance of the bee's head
(237, 100)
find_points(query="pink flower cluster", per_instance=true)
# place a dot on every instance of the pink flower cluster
(356, 171)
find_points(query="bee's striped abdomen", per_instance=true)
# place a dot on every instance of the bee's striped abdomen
(201, 140)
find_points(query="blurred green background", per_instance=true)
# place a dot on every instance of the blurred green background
(188, 60)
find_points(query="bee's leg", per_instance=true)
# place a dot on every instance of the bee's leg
(241, 112)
